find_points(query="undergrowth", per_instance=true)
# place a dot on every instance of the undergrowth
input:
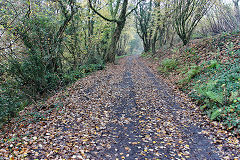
(192, 72)
(168, 65)
(216, 90)
(213, 83)
(27, 85)
(146, 55)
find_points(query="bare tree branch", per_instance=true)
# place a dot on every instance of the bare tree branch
(99, 14)
(134, 8)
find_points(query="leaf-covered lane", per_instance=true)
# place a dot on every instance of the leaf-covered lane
(123, 112)
(147, 122)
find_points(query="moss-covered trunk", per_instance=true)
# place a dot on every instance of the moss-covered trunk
(111, 52)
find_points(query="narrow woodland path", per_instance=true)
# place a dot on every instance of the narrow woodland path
(123, 112)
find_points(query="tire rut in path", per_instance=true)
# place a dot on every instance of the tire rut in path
(122, 130)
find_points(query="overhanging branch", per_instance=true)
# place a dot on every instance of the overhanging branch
(134, 8)
(99, 14)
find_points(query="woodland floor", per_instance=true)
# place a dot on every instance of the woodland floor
(123, 112)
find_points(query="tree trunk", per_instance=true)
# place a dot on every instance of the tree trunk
(237, 10)
(171, 43)
(120, 21)
(146, 47)
(154, 40)
(110, 55)
(185, 38)
(154, 47)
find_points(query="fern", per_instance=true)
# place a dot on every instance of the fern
(233, 96)
(190, 74)
(168, 65)
(193, 72)
(215, 114)
(216, 97)
(213, 64)
(211, 84)
(208, 92)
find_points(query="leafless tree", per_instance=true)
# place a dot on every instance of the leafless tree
(187, 15)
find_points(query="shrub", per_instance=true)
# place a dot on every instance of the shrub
(81, 71)
(43, 63)
(168, 65)
(29, 78)
(32, 75)
(12, 100)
